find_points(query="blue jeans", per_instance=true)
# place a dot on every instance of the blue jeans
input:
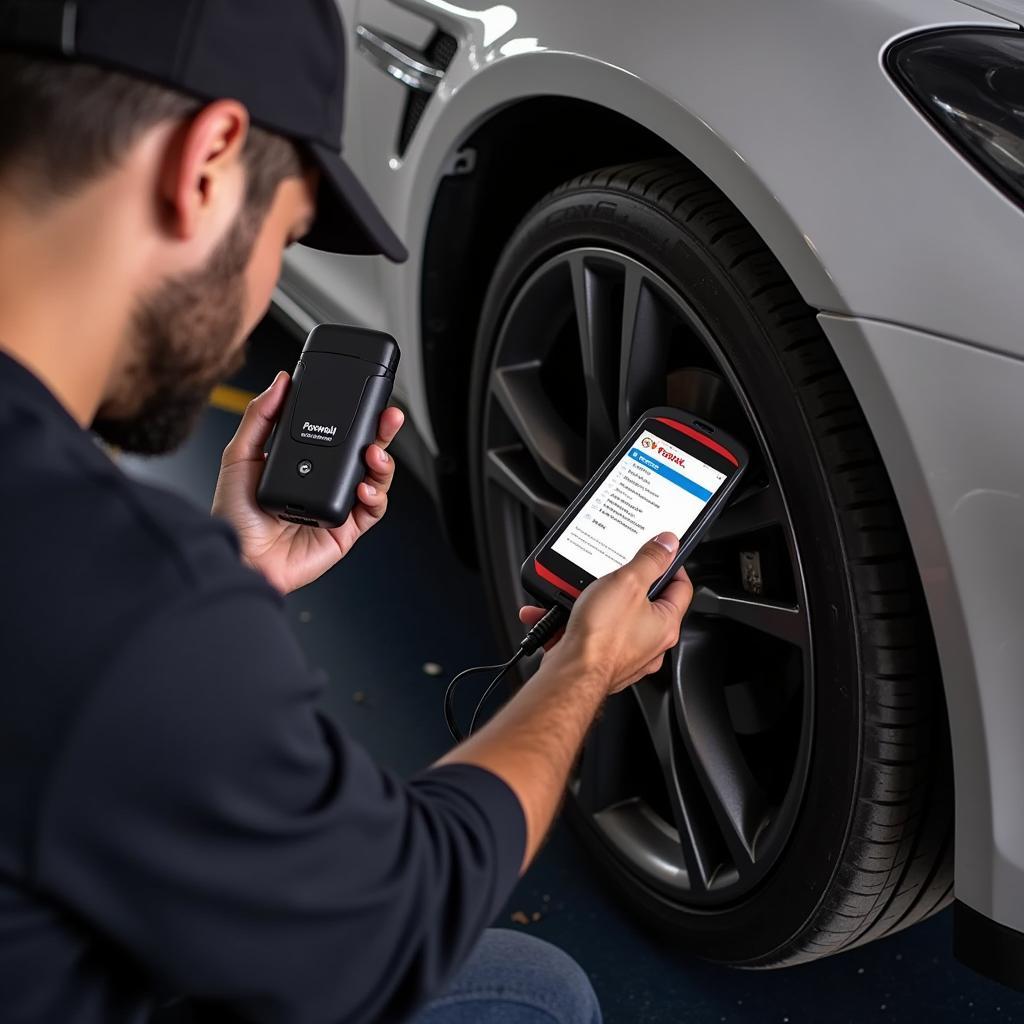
(513, 978)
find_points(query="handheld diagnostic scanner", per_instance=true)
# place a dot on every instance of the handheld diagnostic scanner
(341, 385)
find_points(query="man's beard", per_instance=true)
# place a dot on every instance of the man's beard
(182, 349)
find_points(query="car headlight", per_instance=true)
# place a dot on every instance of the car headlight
(970, 85)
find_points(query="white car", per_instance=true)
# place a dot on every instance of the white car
(802, 221)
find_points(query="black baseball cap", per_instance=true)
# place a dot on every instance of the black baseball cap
(283, 59)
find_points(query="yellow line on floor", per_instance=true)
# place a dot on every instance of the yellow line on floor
(229, 399)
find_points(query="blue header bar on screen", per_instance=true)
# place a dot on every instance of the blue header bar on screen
(669, 474)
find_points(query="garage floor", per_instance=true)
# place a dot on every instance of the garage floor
(384, 614)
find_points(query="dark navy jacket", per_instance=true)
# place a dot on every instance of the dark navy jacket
(177, 816)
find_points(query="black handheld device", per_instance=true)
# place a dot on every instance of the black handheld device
(671, 472)
(341, 385)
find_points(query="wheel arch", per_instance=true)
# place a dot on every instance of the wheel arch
(580, 114)
(566, 137)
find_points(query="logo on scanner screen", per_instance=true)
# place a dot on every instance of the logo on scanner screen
(650, 442)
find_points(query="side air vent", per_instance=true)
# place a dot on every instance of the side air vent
(439, 52)
(420, 71)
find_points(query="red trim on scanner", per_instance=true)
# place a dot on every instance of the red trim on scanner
(547, 574)
(703, 438)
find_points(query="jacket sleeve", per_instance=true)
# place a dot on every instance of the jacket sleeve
(206, 816)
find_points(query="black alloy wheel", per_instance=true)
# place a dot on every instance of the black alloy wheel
(780, 790)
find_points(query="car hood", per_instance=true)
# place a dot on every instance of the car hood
(1012, 10)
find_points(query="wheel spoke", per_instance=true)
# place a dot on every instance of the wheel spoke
(604, 778)
(513, 469)
(536, 421)
(596, 299)
(655, 706)
(643, 347)
(786, 622)
(752, 509)
(698, 698)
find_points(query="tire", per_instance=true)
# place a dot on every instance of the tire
(836, 727)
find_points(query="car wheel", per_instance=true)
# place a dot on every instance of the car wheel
(781, 789)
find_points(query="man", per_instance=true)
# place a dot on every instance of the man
(179, 823)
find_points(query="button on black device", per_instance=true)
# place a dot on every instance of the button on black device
(341, 385)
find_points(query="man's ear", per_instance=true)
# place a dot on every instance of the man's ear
(202, 168)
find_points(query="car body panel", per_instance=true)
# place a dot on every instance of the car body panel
(1011, 10)
(884, 227)
(959, 477)
(823, 200)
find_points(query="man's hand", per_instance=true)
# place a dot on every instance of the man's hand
(291, 556)
(614, 637)
(614, 625)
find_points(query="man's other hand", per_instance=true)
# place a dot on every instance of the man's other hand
(291, 556)
(615, 627)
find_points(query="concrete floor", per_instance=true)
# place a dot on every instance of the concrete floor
(386, 612)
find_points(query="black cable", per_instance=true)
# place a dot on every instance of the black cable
(449, 693)
(541, 633)
(553, 620)
(490, 689)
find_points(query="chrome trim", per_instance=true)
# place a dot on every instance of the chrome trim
(393, 57)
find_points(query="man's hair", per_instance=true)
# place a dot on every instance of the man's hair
(64, 124)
